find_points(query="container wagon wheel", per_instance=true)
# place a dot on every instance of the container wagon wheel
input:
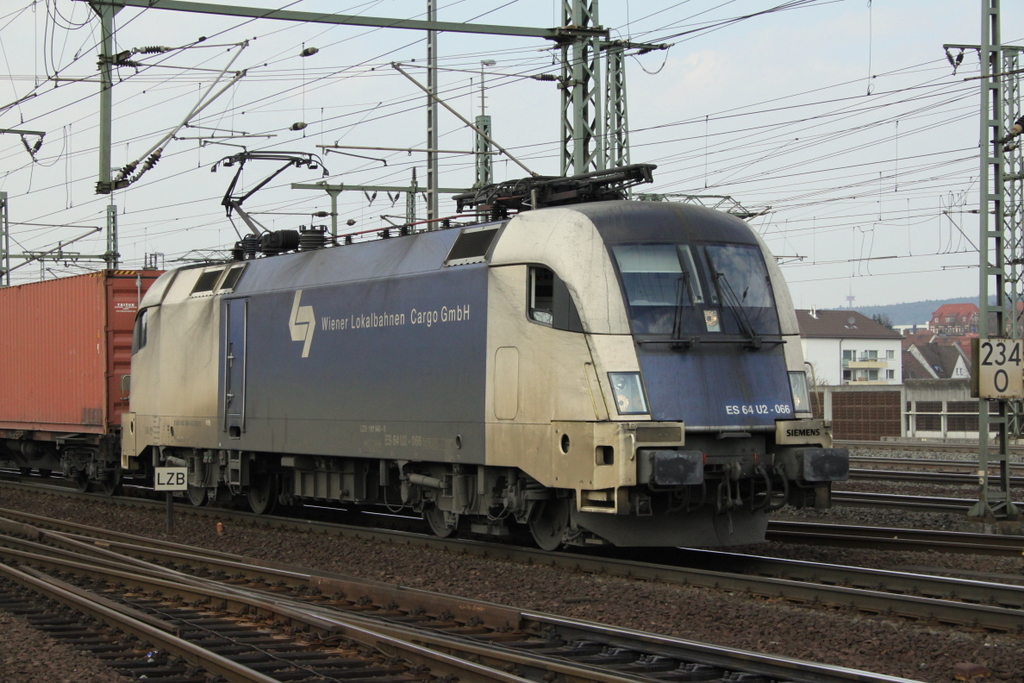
(82, 482)
(112, 483)
(45, 473)
(262, 494)
(435, 518)
(549, 523)
(25, 471)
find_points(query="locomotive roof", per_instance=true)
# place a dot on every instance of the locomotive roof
(626, 221)
(615, 222)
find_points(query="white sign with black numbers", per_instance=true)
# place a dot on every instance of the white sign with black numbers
(170, 479)
(997, 368)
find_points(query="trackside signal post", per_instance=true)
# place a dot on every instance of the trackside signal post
(170, 479)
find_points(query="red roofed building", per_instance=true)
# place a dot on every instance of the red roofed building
(954, 320)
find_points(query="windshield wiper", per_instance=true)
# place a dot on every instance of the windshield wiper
(682, 286)
(754, 340)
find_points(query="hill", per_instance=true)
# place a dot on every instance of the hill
(912, 313)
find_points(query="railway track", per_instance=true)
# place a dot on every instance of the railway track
(985, 605)
(938, 504)
(306, 624)
(933, 446)
(853, 536)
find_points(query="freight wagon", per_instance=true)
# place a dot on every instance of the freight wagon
(65, 360)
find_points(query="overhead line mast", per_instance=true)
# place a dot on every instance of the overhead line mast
(584, 121)
(999, 251)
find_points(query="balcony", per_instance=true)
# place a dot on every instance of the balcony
(866, 364)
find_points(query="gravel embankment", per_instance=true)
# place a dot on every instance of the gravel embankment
(898, 648)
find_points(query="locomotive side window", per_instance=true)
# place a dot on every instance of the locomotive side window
(139, 332)
(471, 245)
(207, 280)
(550, 302)
(231, 279)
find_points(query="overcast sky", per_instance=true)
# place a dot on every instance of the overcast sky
(842, 120)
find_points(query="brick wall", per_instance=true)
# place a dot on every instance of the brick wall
(866, 415)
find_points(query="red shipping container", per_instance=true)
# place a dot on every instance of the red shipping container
(65, 345)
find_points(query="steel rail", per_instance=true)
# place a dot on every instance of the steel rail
(779, 667)
(921, 445)
(81, 602)
(924, 477)
(852, 536)
(903, 502)
(924, 464)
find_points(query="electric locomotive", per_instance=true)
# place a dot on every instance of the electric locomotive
(593, 369)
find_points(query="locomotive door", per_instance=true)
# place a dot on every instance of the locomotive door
(236, 329)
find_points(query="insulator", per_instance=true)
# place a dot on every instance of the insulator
(279, 241)
(298, 125)
(308, 52)
(313, 237)
(151, 50)
(248, 247)
(321, 214)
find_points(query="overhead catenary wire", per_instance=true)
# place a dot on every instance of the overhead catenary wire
(737, 157)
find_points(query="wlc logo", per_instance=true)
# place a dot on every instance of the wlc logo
(301, 323)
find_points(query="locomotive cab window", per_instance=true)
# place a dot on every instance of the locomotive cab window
(139, 332)
(663, 288)
(550, 302)
(692, 289)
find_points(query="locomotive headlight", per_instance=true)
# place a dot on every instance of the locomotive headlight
(629, 393)
(798, 386)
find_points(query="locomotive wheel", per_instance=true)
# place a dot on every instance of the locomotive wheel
(262, 494)
(550, 523)
(197, 495)
(435, 518)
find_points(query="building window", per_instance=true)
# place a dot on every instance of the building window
(890, 374)
(890, 354)
(872, 375)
